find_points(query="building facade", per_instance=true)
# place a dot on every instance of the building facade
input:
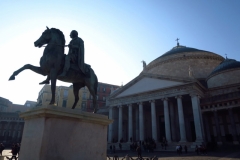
(103, 91)
(186, 95)
(11, 125)
(65, 98)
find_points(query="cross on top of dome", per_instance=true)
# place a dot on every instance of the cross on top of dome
(177, 41)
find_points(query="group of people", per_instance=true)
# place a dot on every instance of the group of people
(15, 149)
(201, 149)
(148, 145)
(179, 149)
(112, 149)
(164, 143)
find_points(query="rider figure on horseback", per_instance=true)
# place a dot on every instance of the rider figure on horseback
(75, 55)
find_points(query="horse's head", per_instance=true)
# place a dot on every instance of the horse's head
(44, 39)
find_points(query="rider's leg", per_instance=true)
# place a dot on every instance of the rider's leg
(46, 81)
(66, 66)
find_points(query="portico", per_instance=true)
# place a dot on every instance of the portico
(147, 115)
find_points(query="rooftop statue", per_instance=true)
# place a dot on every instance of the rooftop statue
(144, 64)
(68, 68)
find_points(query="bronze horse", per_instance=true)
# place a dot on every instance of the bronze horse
(52, 63)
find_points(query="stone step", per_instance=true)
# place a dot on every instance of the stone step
(171, 146)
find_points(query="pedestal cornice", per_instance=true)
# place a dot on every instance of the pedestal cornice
(65, 113)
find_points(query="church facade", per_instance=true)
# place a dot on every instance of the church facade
(186, 95)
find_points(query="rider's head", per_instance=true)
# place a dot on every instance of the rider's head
(73, 34)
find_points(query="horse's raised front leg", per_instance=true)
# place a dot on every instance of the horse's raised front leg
(27, 66)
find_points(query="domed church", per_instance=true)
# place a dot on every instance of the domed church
(186, 96)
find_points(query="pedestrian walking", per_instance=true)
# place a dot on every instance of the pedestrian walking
(139, 151)
(2, 147)
(110, 148)
(186, 149)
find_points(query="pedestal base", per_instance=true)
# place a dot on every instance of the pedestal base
(61, 133)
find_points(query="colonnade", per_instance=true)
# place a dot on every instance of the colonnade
(140, 113)
(11, 130)
(219, 136)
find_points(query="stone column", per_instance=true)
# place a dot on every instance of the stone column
(154, 121)
(120, 123)
(219, 136)
(110, 126)
(130, 122)
(7, 130)
(173, 123)
(137, 123)
(181, 119)
(167, 120)
(197, 118)
(141, 123)
(233, 126)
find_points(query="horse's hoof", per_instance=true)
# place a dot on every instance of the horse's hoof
(52, 104)
(11, 78)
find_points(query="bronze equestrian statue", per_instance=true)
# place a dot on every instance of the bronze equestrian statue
(67, 68)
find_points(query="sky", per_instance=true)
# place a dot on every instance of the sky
(117, 34)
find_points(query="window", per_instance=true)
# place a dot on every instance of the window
(84, 95)
(103, 98)
(97, 97)
(64, 103)
(91, 106)
(28, 105)
(83, 106)
(104, 89)
(65, 94)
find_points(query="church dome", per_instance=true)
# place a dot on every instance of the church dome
(227, 64)
(226, 73)
(181, 59)
(180, 49)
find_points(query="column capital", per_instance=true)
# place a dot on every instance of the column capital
(129, 104)
(179, 96)
(120, 106)
(152, 101)
(139, 103)
(194, 95)
(164, 99)
(214, 110)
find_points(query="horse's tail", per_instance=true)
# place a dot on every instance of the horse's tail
(96, 83)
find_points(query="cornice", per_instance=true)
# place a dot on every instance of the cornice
(186, 89)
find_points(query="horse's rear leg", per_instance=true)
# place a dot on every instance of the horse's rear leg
(93, 90)
(76, 87)
(27, 66)
(53, 76)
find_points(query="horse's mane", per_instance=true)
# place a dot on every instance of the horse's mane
(60, 33)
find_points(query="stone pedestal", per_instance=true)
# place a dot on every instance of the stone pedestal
(60, 133)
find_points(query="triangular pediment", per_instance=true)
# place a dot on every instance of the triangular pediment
(146, 84)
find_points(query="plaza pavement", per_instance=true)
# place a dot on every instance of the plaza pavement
(163, 155)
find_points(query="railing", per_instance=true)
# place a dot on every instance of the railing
(222, 97)
(129, 157)
(7, 156)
